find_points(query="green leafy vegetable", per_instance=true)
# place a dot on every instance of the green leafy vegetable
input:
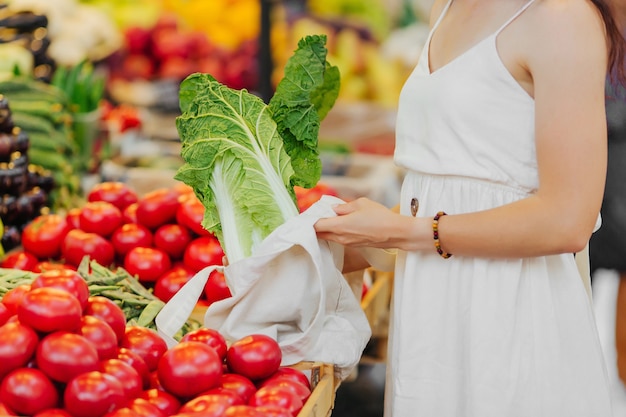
(302, 99)
(243, 157)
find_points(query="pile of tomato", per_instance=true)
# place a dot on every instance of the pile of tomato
(64, 353)
(157, 237)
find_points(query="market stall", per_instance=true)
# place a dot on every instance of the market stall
(104, 222)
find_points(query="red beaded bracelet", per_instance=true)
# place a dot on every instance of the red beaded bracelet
(440, 251)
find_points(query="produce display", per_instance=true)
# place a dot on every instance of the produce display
(156, 239)
(167, 52)
(41, 111)
(84, 90)
(84, 271)
(367, 74)
(67, 352)
(24, 45)
(74, 31)
(24, 187)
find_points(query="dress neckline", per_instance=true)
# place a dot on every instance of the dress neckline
(469, 50)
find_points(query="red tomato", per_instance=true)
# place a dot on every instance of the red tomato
(290, 373)
(172, 239)
(306, 197)
(100, 217)
(13, 298)
(64, 279)
(202, 252)
(255, 356)
(5, 411)
(240, 384)
(122, 412)
(272, 411)
(129, 214)
(303, 391)
(53, 412)
(183, 189)
(277, 396)
(64, 355)
(18, 346)
(126, 374)
(163, 400)
(145, 408)
(73, 217)
(43, 237)
(130, 236)
(49, 309)
(146, 343)
(100, 334)
(49, 266)
(147, 264)
(24, 261)
(214, 405)
(78, 244)
(157, 208)
(117, 193)
(210, 337)
(189, 368)
(5, 314)
(244, 411)
(173, 280)
(137, 362)
(107, 310)
(233, 396)
(190, 214)
(93, 394)
(28, 391)
(216, 288)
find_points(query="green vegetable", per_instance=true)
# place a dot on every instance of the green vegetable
(139, 304)
(302, 99)
(243, 157)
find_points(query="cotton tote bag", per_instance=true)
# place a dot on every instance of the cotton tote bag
(290, 289)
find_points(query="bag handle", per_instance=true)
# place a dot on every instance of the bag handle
(177, 310)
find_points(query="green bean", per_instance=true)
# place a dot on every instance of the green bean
(150, 312)
(98, 289)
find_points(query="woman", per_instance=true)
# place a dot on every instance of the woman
(501, 126)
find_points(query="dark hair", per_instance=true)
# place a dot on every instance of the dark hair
(617, 43)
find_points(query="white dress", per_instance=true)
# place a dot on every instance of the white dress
(476, 337)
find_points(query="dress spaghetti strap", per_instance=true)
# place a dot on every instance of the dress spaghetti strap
(440, 18)
(515, 16)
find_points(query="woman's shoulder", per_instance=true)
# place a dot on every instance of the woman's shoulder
(557, 27)
(566, 17)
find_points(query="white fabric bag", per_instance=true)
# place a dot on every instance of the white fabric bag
(290, 289)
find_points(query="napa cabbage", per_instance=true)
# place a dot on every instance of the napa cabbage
(242, 157)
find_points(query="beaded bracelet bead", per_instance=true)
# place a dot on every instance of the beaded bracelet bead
(440, 251)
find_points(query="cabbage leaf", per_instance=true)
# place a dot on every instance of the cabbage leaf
(243, 157)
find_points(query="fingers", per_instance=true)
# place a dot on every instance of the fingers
(323, 225)
(343, 209)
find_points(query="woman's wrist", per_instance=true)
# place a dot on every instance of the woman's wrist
(417, 234)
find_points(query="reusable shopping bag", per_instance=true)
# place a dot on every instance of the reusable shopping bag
(290, 289)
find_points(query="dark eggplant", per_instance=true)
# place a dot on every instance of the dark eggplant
(24, 22)
(12, 237)
(6, 121)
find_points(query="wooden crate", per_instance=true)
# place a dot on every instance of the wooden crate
(376, 305)
(324, 385)
(376, 302)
